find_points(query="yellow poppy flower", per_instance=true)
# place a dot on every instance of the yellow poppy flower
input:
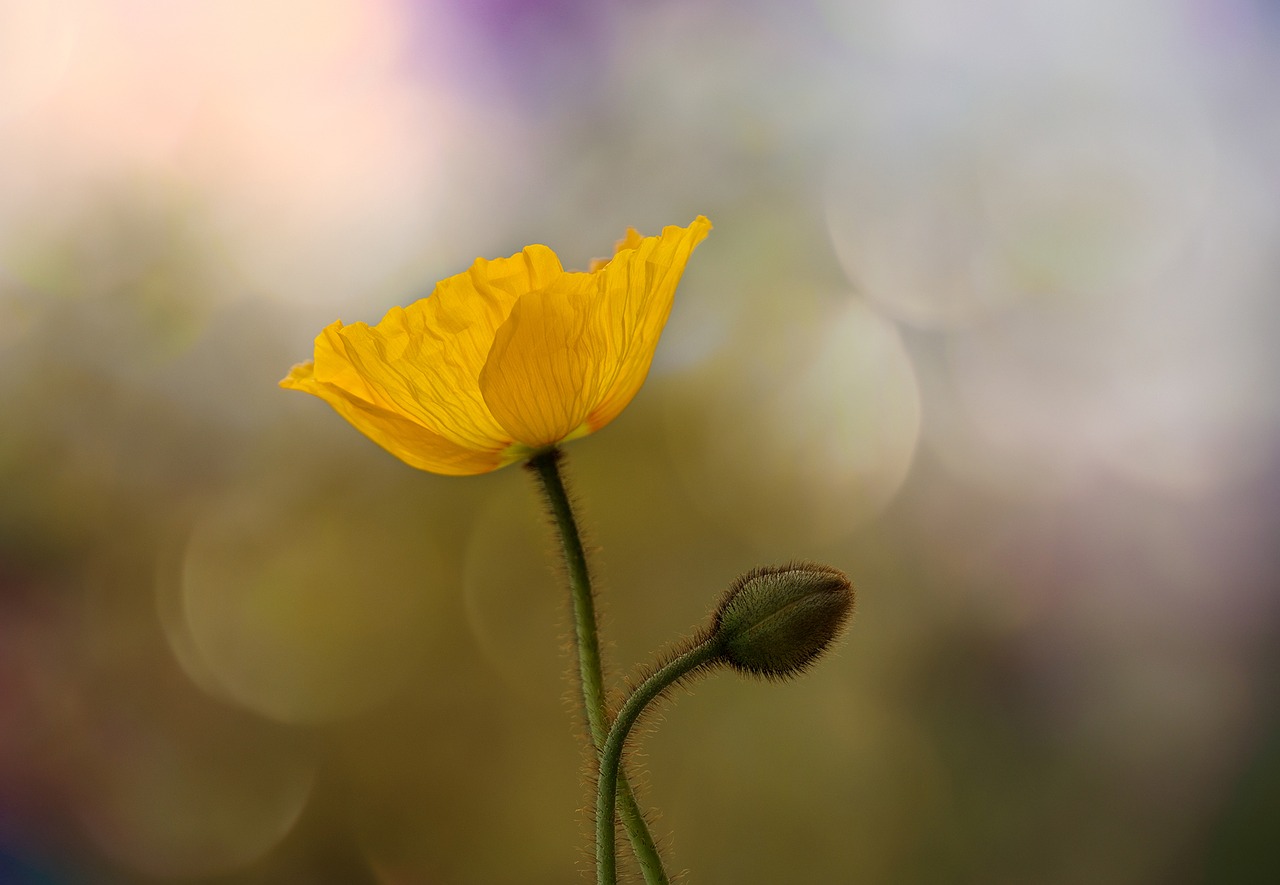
(507, 359)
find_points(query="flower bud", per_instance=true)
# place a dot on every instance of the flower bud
(775, 621)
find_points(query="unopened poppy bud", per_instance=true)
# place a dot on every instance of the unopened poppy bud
(775, 621)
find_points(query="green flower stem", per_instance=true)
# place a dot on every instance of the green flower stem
(706, 652)
(546, 466)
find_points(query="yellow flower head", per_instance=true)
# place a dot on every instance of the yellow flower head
(511, 357)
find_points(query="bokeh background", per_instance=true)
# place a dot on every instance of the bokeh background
(987, 320)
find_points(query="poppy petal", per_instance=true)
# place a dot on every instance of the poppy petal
(637, 290)
(407, 440)
(541, 378)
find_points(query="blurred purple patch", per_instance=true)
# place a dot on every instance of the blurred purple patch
(548, 52)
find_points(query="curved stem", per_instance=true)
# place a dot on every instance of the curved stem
(702, 654)
(546, 466)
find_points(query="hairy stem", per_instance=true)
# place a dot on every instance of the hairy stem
(705, 652)
(546, 467)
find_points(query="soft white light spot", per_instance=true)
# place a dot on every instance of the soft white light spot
(301, 610)
(824, 448)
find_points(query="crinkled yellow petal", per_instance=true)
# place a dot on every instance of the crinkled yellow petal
(569, 358)
(424, 360)
(411, 383)
(542, 376)
(636, 290)
(511, 356)
(630, 240)
(404, 438)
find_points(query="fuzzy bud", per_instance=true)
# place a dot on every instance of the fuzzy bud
(775, 621)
